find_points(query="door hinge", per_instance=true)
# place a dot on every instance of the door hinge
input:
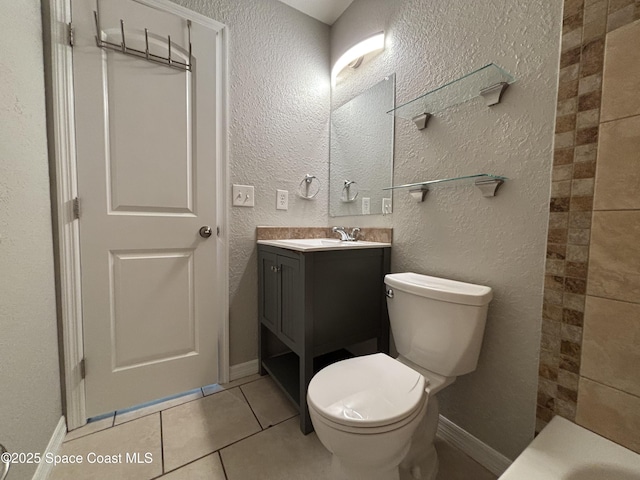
(76, 208)
(83, 368)
(70, 33)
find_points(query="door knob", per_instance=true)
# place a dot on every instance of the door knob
(205, 231)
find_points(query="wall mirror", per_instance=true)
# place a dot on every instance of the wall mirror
(361, 152)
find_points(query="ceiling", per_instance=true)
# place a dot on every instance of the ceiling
(327, 11)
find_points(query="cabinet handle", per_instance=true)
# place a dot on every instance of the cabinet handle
(275, 269)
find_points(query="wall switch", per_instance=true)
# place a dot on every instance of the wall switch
(366, 205)
(243, 196)
(282, 199)
(386, 206)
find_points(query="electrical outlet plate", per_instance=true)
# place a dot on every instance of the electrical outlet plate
(282, 199)
(366, 205)
(243, 196)
(386, 206)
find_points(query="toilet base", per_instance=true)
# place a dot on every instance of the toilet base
(428, 470)
(342, 472)
(371, 456)
(421, 462)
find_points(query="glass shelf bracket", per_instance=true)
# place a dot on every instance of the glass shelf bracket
(489, 82)
(487, 184)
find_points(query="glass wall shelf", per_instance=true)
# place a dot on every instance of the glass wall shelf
(487, 183)
(489, 82)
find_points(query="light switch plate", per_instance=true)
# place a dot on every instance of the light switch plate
(282, 199)
(243, 196)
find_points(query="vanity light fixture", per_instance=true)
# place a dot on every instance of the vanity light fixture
(371, 44)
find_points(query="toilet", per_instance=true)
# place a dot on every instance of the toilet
(377, 415)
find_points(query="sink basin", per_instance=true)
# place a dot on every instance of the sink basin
(320, 244)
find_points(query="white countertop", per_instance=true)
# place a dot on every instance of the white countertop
(320, 244)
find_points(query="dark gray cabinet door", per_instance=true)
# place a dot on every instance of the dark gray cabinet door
(280, 296)
(291, 299)
(268, 293)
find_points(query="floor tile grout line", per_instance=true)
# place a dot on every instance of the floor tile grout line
(191, 461)
(188, 401)
(224, 470)
(219, 450)
(235, 386)
(161, 410)
(254, 434)
(161, 443)
(115, 414)
(251, 408)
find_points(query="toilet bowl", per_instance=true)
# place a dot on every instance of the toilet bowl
(377, 415)
(365, 411)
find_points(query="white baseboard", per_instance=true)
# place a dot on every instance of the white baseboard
(243, 370)
(482, 453)
(53, 447)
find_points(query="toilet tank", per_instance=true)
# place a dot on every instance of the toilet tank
(437, 323)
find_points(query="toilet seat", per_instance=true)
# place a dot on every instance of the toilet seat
(369, 394)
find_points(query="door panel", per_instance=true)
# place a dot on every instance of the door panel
(139, 97)
(146, 156)
(153, 298)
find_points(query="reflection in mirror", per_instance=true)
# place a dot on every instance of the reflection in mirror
(361, 155)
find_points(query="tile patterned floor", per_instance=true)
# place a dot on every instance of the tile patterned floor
(242, 430)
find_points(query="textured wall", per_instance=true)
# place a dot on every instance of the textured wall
(278, 128)
(456, 233)
(29, 378)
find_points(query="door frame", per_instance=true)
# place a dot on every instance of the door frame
(58, 58)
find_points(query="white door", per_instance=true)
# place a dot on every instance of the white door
(146, 160)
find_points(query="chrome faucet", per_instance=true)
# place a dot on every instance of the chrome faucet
(344, 236)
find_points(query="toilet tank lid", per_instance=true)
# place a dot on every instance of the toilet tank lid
(440, 288)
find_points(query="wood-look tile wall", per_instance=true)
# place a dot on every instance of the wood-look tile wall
(593, 254)
(609, 390)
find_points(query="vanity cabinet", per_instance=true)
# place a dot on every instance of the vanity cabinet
(312, 306)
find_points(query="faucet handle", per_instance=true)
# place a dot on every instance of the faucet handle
(354, 232)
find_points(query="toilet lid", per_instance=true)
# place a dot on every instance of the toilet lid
(368, 391)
